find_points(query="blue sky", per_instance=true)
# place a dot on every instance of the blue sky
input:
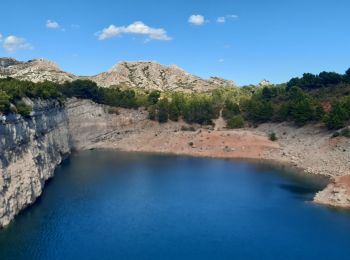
(242, 40)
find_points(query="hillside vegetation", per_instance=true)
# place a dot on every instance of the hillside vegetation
(322, 98)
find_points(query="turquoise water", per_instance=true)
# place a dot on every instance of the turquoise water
(111, 205)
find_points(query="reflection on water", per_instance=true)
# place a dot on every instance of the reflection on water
(297, 189)
(113, 205)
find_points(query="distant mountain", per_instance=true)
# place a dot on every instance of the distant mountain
(142, 75)
(34, 70)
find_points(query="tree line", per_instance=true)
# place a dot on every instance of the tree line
(311, 81)
(296, 101)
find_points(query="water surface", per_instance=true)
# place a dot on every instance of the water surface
(112, 205)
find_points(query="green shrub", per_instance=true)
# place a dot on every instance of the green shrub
(4, 102)
(174, 112)
(153, 97)
(273, 137)
(188, 128)
(151, 113)
(199, 109)
(23, 109)
(336, 119)
(230, 109)
(235, 122)
(163, 110)
(345, 132)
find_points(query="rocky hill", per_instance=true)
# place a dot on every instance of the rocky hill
(154, 76)
(142, 75)
(34, 70)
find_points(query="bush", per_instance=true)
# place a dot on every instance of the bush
(4, 102)
(153, 97)
(337, 117)
(188, 128)
(23, 109)
(345, 132)
(174, 112)
(163, 110)
(273, 137)
(302, 111)
(301, 108)
(230, 109)
(113, 110)
(235, 122)
(200, 110)
(151, 113)
(335, 134)
(259, 111)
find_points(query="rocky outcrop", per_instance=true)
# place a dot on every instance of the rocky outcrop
(336, 194)
(30, 151)
(141, 75)
(264, 83)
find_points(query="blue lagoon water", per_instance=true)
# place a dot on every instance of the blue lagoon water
(113, 205)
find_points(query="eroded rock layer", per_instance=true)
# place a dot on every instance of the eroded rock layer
(30, 149)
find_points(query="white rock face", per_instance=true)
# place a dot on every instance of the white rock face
(30, 151)
(90, 123)
(142, 75)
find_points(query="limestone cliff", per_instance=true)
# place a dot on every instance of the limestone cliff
(30, 149)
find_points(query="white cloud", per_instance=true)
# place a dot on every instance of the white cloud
(1, 37)
(52, 24)
(223, 19)
(134, 28)
(196, 19)
(13, 43)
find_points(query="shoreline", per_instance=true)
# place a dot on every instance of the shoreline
(326, 191)
(268, 162)
(273, 162)
(295, 151)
